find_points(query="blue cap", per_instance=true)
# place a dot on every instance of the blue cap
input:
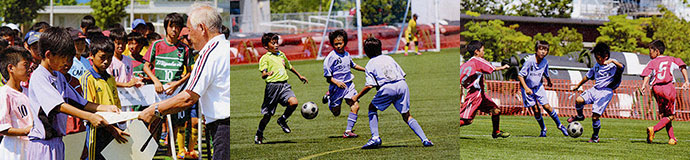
(138, 22)
(32, 37)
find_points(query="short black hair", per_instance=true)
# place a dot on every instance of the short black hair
(101, 43)
(372, 47)
(153, 36)
(118, 34)
(12, 55)
(658, 45)
(138, 37)
(226, 31)
(116, 26)
(58, 41)
(268, 37)
(541, 44)
(4, 43)
(473, 46)
(333, 35)
(601, 50)
(7, 31)
(93, 31)
(150, 26)
(40, 25)
(87, 21)
(173, 19)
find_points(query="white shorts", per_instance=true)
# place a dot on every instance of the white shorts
(396, 93)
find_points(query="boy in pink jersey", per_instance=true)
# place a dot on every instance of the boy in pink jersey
(659, 70)
(121, 66)
(16, 121)
(471, 78)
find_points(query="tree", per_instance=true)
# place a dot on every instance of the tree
(64, 2)
(21, 11)
(674, 32)
(544, 8)
(624, 35)
(567, 40)
(295, 6)
(500, 42)
(376, 12)
(108, 12)
(495, 7)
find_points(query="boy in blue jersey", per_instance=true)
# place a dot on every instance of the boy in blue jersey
(533, 71)
(607, 77)
(389, 79)
(336, 69)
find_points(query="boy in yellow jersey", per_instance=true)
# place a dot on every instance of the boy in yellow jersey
(411, 35)
(272, 66)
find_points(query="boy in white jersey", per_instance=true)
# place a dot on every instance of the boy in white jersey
(16, 121)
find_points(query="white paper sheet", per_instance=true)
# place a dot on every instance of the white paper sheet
(74, 145)
(113, 118)
(131, 150)
(144, 95)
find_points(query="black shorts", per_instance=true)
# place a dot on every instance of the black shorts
(276, 92)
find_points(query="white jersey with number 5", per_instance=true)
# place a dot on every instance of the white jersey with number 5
(383, 69)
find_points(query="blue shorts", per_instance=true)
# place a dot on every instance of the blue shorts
(396, 93)
(599, 98)
(538, 95)
(337, 94)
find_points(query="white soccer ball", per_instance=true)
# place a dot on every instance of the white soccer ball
(309, 110)
(575, 129)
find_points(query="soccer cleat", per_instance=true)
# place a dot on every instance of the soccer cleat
(564, 130)
(193, 154)
(594, 140)
(259, 139)
(181, 155)
(576, 118)
(373, 143)
(405, 53)
(672, 141)
(500, 134)
(427, 143)
(325, 98)
(650, 135)
(543, 133)
(283, 124)
(350, 134)
(418, 53)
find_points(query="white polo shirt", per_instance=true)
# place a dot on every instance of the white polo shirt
(210, 78)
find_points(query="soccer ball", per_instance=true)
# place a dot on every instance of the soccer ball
(575, 129)
(309, 110)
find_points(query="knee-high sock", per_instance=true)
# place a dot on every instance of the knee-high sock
(179, 137)
(578, 108)
(351, 120)
(540, 120)
(596, 125)
(374, 124)
(495, 119)
(192, 140)
(288, 111)
(554, 116)
(669, 130)
(406, 48)
(662, 123)
(262, 125)
(416, 128)
(416, 49)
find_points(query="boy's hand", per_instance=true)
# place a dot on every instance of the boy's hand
(97, 120)
(686, 85)
(159, 87)
(609, 61)
(173, 86)
(117, 133)
(339, 84)
(304, 79)
(27, 129)
(136, 82)
(269, 73)
(108, 108)
(528, 91)
(549, 84)
(575, 88)
(643, 88)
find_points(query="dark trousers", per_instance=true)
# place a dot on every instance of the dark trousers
(220, 130)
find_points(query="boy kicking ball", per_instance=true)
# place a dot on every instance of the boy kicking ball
(530, 76)
(386, 75)
(659, 71)
(607, 77)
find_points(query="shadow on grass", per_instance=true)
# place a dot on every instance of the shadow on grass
(645, 141)
(279, 142)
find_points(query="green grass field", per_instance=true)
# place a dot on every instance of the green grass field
(433, 82)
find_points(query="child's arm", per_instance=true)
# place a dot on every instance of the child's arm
(93, 107)
(502, 67)
(359, 68)
(17, 131)
(644, 83)
(95, 119)
(548, 81)
(686, 84)
(135, 82)
(362, 93)
(174, 84)
(302, 78)
(584, 79)
(614, 61)
(156, 82)
(528, 91)
(336, 82)
(265, 74)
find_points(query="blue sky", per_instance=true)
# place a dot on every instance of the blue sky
(83, 1)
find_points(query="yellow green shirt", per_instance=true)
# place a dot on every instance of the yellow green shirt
(276, 63)
(142, 52)
(411, 27)
(99, 89)
(2, 81)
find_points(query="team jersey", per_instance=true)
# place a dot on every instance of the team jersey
(142, 52)
(471, 73)
(383, 69)
(276, 63)
(661, 69)
(121, 69)
(411, 27)
(605, 76)
(99, 88)
(169, 61)
(14, 109)
(533, 71)
(337, 65)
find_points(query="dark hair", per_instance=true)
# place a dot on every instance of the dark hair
(415, 15)
(541, 44)
(40, 25)
(87, 21)
(225, 30)
(173, 19)
(153, 36)
(601, 50)
(12, 55)
(333, 35)
(101, 43)
(58, 41)
(116, 26)
(93, 31)
(658, 45)
(150, 26)
(3, 44)
(268, 37)
(7, 31)
(138, 37)
(372, 47)
(474, 46)
(118, 34)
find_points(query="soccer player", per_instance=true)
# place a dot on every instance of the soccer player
(607, 77)
(389, 79)
(660, 72)
(533, 71)
(411, 35)
(17, 120)
(272, 66)
(471, 78)
(336, 69)
(121, 65)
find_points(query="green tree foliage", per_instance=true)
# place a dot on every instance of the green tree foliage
(624, 35)
(376, 12)
(674, 32)
(64, 2)
(108, 12)
(495, 7)
(544, 8)
(295, 6)
(21, 11)
(500, 42)
(567, 40)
